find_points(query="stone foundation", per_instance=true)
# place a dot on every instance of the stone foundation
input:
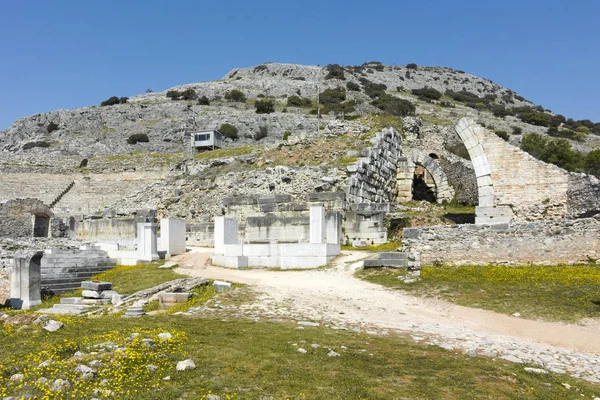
(543, 242)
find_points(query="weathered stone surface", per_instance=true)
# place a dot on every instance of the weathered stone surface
(96, 286)
(548, 242)
(186, 365)
(221, 286)
(53, 326)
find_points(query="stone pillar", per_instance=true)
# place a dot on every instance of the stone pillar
(226, 232)
(146, 241)
(25, 280)
(172, 235)
(317, 224)
(333, 227)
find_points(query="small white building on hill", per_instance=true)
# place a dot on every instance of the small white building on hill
(207, 140)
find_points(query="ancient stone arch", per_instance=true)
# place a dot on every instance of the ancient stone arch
(487, 212)
(443, 191)
(406, 174)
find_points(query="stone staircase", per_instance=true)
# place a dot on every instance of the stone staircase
(60, 196)
(64, 270)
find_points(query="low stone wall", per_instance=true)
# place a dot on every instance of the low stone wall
(543, 242)
(106, 228)
(201, 235)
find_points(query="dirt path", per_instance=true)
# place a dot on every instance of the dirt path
(334, 296)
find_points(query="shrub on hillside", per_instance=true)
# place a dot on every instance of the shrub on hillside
(52, 127)
(138, 138)
(111, 101)
(38, 143)
(229, 131)
(502, 134)
(517, 130)
(592, 163)
(264, 106)
(427, 93)
(394, 106)
(373, 90)
(263, 132)
(286, 135)
(204, 101)
(333, 98)
(335, 71)
(297, 101)
(554, 151)
(235, 96)
(411, 66)
(352, 86)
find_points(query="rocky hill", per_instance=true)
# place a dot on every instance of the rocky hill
(282, 147)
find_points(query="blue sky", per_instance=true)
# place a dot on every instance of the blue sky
(68, 54)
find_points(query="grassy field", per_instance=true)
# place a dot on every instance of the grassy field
(257, 360)
(555, 293)
(241, 359)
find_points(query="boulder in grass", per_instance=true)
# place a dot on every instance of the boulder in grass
(186, 365)
(96, 286)
(221, 286)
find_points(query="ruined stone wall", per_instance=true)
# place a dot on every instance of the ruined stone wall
(107, 228)
(583, 195)
(542, 242)
(533, 189)
(6, 262)
(373, 177)
(16, 217)
(462, 178)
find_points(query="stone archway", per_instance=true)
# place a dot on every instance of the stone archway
(486, 213)
(407, 167)
(443, 191)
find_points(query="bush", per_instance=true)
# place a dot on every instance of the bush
(263, 132)
(335, 72)
(297, 101)
(229, 131)
(536, 118)
(114, 100)
(502, 134)
(516, 130)
(373, 90)
(52, 127)
(394, 106)
(500, 111)
(39, 143)
(554, 151)
(352, 86)
(565, 133)
(264, 106)
(592, 163)
(286, 135)
(427, 93)
(333, 98)
(464, 97)
(235, 96)
(189, 94)
(138, 138)
(411, 66)
(204, 101)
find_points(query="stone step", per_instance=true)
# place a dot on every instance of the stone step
(71, 311)
(392, 255)
(74, 306)
(385, 263)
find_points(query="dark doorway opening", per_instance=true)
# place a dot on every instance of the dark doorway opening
(41, 225)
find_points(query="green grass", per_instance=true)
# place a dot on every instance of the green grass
(241, 359)
(252, 360)
(389, 246)
(130, 279)
(554, 293)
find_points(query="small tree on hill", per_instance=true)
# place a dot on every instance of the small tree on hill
(204, 101)
(229, 131)
(264, 106)
(235, 95)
